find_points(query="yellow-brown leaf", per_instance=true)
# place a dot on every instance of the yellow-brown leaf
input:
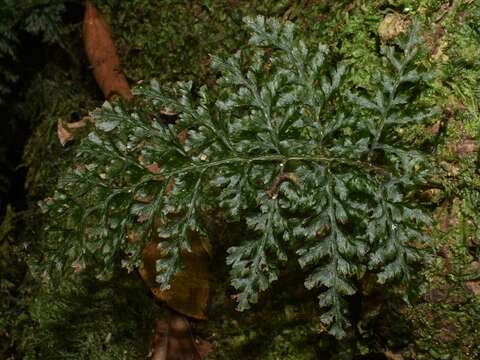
(189, 290)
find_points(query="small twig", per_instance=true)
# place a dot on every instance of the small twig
(279, 180)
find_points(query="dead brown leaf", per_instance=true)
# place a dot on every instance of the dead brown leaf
(160, 341)
(102, 54)
(63, 129)
(167, 111)
(392, 356)
(79, 124)
(182, 136)
(189, 290)
(174, 341)
(64, 136)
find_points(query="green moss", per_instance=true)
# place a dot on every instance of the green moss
(89, 319)
(173, 40)
(463, 70)
(10, 274)
(53, 96)
(283, 326)
(7, 224)
(445, 323)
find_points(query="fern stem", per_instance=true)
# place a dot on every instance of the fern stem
(270, 158)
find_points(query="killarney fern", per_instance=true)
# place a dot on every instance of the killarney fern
(282, 146)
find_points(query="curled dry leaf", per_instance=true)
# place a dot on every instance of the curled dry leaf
(79, 124)
(78, 267)
(63, 129)
(167, 111)
(64, 136)
(102, 54)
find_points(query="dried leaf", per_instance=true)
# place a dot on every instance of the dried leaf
(189, 290)
(160, 341)
(182, 136)
(174, 341)
(392, 356)
(79, 124)
(102, 54)
(64, 136)
(167, 111)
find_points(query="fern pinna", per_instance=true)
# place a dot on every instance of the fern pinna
(283, 147)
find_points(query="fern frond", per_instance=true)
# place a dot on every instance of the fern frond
(306, 165)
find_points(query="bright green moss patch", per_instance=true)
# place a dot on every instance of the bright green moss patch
(88, 319)
(173, 40)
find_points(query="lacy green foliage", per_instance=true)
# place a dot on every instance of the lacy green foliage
(85, 318)
(46, 20)
(33, 16)
(308, 167)
(285, 326)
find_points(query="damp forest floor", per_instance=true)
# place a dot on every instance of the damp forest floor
(90, 318)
